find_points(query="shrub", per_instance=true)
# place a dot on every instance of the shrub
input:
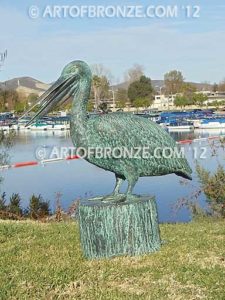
(38, 208)
(14, 206)
(213, 185)
(3, 205)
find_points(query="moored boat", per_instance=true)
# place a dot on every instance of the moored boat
(180, 126)
(211, 123)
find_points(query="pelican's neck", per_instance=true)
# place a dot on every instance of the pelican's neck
(79, 111)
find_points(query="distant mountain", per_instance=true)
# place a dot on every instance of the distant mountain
(157, 84)
(28, 85)
(203, 86)
(25, 85)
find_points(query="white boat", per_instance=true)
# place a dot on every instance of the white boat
(180, 126)
(210, 132)
(60, 127)
(51, 124)
(216, 123)
(43, 126)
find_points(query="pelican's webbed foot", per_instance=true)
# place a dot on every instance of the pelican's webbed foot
(114, 198)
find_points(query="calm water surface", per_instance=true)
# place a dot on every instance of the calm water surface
(76, 178)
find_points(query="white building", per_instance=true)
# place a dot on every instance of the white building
(163, 102)
(216, 96)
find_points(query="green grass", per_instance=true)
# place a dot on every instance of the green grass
(44, 261)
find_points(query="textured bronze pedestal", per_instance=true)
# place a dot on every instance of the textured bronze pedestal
(114, 229)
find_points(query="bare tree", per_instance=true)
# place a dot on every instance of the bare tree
(6, 142)
(96, 85)
(221, 87)
(100, 83)
(173, 81)
(134, 73)
(101, 71)
(3, 57)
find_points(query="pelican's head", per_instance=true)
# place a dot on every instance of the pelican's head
(66, 86)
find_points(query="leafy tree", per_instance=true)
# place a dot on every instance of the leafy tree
(19, 107)
(142, 102)
(199, 99)
(121, 104)
(181, 101)
(141, 89)
(8, 98)
(14, 206)
(32, 99)
(173, 81)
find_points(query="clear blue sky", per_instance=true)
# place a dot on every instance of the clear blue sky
(41, 47)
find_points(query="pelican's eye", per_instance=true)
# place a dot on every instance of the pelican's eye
(72, 71)
(69, 71)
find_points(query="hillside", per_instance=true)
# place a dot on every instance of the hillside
(157, 84)
(44, 261)
(26, 85)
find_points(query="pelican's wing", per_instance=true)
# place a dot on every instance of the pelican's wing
(127, 130)
(123, 129)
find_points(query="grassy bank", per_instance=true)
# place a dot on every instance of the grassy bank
(44, 261)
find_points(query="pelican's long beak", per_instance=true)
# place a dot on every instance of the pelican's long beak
(60, 91)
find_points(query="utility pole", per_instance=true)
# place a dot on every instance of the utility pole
(113, 98)
(114, 103)
(3, 56)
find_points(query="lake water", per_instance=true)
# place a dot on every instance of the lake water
(75, 179)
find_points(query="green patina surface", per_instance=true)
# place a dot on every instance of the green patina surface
(115, 229)
(111, 131)
(129, 228)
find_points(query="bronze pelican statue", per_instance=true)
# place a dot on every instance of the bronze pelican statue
(114, 130)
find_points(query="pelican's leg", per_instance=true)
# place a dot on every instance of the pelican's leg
(116, 196)
(132, 180)
(119, 182)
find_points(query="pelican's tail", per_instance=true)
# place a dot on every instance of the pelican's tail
(184, 175)
(183, 169)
